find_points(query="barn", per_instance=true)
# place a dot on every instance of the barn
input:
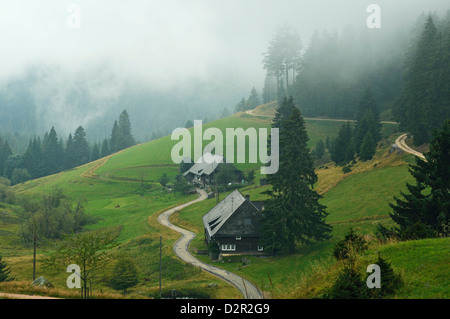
(233, 225)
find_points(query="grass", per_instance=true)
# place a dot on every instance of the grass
(130, 179)
(358, 199)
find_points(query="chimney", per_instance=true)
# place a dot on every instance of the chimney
(247, 197)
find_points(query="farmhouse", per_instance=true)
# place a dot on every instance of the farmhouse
(206, 168)
(233, 225)
(202, 172)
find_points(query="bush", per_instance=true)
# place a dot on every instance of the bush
(417, 231)
(125, 275)
(350, 284)
(390, 281)
(346, 169)
(351, 244)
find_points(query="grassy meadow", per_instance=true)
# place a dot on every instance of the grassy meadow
(358, 199)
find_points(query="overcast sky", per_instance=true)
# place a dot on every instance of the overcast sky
(169, 40)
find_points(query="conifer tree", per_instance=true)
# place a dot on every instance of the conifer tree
(105, 148)
(428, 201)
(5, 271)
(367, 121)
(33, 158)
(114, 140)
(418, 107)
(95, 153)
(5, 152)
(342, 150)
(80, 146)
(125, 137)
(69, 153)
(368, 147)
(51, 153)
(293, 213)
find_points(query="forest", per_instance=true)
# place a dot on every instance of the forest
(407, 76)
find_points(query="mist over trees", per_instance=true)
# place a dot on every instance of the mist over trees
(52, 154)
(408, 81)
(424, 102)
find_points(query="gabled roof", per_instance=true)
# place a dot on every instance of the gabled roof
(216, 217)
(205, 165)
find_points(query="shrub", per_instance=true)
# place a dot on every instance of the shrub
(350, 284)
(390, 281)
(351, 244)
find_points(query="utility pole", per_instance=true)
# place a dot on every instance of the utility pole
(160, 263)
(34, 249)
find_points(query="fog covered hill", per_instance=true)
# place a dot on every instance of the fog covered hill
(47, 95)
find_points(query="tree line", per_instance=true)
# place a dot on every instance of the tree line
(424, 101)
(333, 72)
(53, 154)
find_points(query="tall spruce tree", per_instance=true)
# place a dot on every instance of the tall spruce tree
(293, 213)
(5, 152)
(428, 201)
(342, 150)
(105, 148)
(114, 140)
(125, 137)
(418, 106)
(367, 122)
(51, 153)
(33, 157)
(80, 146)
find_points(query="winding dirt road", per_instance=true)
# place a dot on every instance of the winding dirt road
(181, 250)
(401, 143)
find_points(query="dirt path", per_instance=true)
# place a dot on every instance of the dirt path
(181, 250)
(251, 112)
(18, 296)
(401, 143)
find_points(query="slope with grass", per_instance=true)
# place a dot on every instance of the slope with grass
(130, 179)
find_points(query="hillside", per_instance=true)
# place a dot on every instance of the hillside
(130, 179)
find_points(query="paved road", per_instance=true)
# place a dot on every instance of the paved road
(401, 143)
(181, 249)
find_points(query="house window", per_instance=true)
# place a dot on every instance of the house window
(260, 248)
(228, 247)
(238, 237)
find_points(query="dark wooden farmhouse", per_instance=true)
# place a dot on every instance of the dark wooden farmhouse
(233, 225)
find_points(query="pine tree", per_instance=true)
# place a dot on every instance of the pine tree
(5, 152)
(95, 153)
(33, 158)
(368, 147)
(423, 210)
(114, 145)
(342, 150)
(367, 121)
(253, 100)
(5, 271)
(51, 153)
(417, 108)
(80, 146)
(69, 153)
(105, 148)
(293, 213)
(125, 138)
(241, 105)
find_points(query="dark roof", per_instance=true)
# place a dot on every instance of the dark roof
(217, 216)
